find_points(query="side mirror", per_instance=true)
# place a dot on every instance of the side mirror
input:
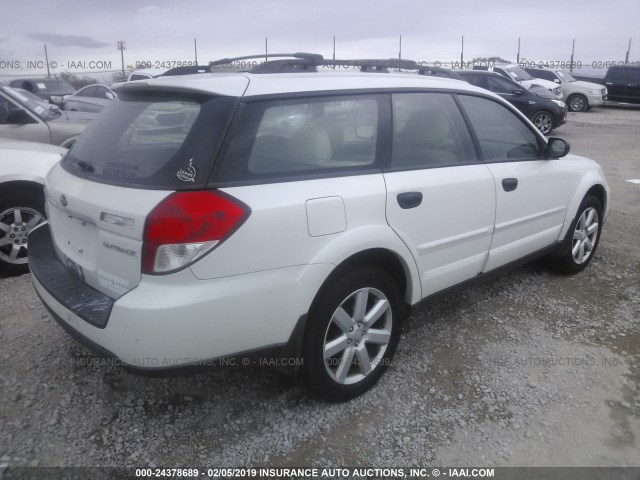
(556, 80)
(556, 148)
(109, 96)
(19, 116)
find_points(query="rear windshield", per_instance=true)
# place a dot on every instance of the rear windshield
(164, 140)
(54, 86)
(518, 73)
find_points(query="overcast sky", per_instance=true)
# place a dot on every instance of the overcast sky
(158, 30)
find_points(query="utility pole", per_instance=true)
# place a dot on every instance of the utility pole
(266, 49)
(195, 49)
(626, 58)
(121, 47)
(462, 54)
(400, 50)
(518, 55)
(46, 59)
(573, 51)
(334, 52)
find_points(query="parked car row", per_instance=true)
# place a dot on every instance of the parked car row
(538, 104)
(579, 96)
(24, 116)
(622, 83)
(58, 92)
(92, 98)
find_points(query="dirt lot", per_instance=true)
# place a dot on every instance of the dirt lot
(533, 369)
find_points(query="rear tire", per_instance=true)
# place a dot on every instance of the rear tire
(20, 211)
(353, 332)
(582, 238)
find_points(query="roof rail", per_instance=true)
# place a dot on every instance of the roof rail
(187, 70)
(439, 72)
(309, 62)
(312, 58)
(374, 64)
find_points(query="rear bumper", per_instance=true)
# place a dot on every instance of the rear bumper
(69, 291)
(176, 320)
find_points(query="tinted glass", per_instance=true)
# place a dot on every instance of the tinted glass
(501, 133)
(544, 74)
(477, 80)
(28, 100)
(502, 85)
(158, 140)
(566, 77)
(301, 137)
(428, 130)
(88, 92)
(57, 86)
(518, 73)
(618, 74)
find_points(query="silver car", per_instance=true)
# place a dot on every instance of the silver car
(25, 118)
(92, 98)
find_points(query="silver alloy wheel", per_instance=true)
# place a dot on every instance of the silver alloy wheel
(585, 235)
(15, 225)
(577, 104)
(360, 330)
(543, 122)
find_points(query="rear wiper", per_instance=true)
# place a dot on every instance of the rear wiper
(85, 166)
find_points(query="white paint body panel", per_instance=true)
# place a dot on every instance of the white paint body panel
(531, 216)
(27, 161)
(177, 319)
(449, 233)
(81, 236)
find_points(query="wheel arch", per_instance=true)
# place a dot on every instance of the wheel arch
(32, 185)
(382, 258)
(378, 245)
(591, 185)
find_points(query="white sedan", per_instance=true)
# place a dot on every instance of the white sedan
(23, 168)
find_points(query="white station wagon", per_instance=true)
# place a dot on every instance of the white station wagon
(297, 215)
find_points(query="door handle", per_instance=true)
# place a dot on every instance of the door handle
(509, 184)
(409, 199)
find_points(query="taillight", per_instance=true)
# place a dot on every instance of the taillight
(187, 225)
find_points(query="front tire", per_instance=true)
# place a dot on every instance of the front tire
(543, 121)
(20, 211)
(577, 103)
(583, 237)
(354, 329)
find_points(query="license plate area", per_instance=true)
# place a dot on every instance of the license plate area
(74, 267)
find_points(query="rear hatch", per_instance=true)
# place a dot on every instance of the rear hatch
(143, 147)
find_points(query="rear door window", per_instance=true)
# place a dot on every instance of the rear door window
(502, 135)
(428, 131)
(152, 140)
(285, 138)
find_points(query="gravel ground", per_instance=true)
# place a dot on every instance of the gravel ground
(532, 369)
